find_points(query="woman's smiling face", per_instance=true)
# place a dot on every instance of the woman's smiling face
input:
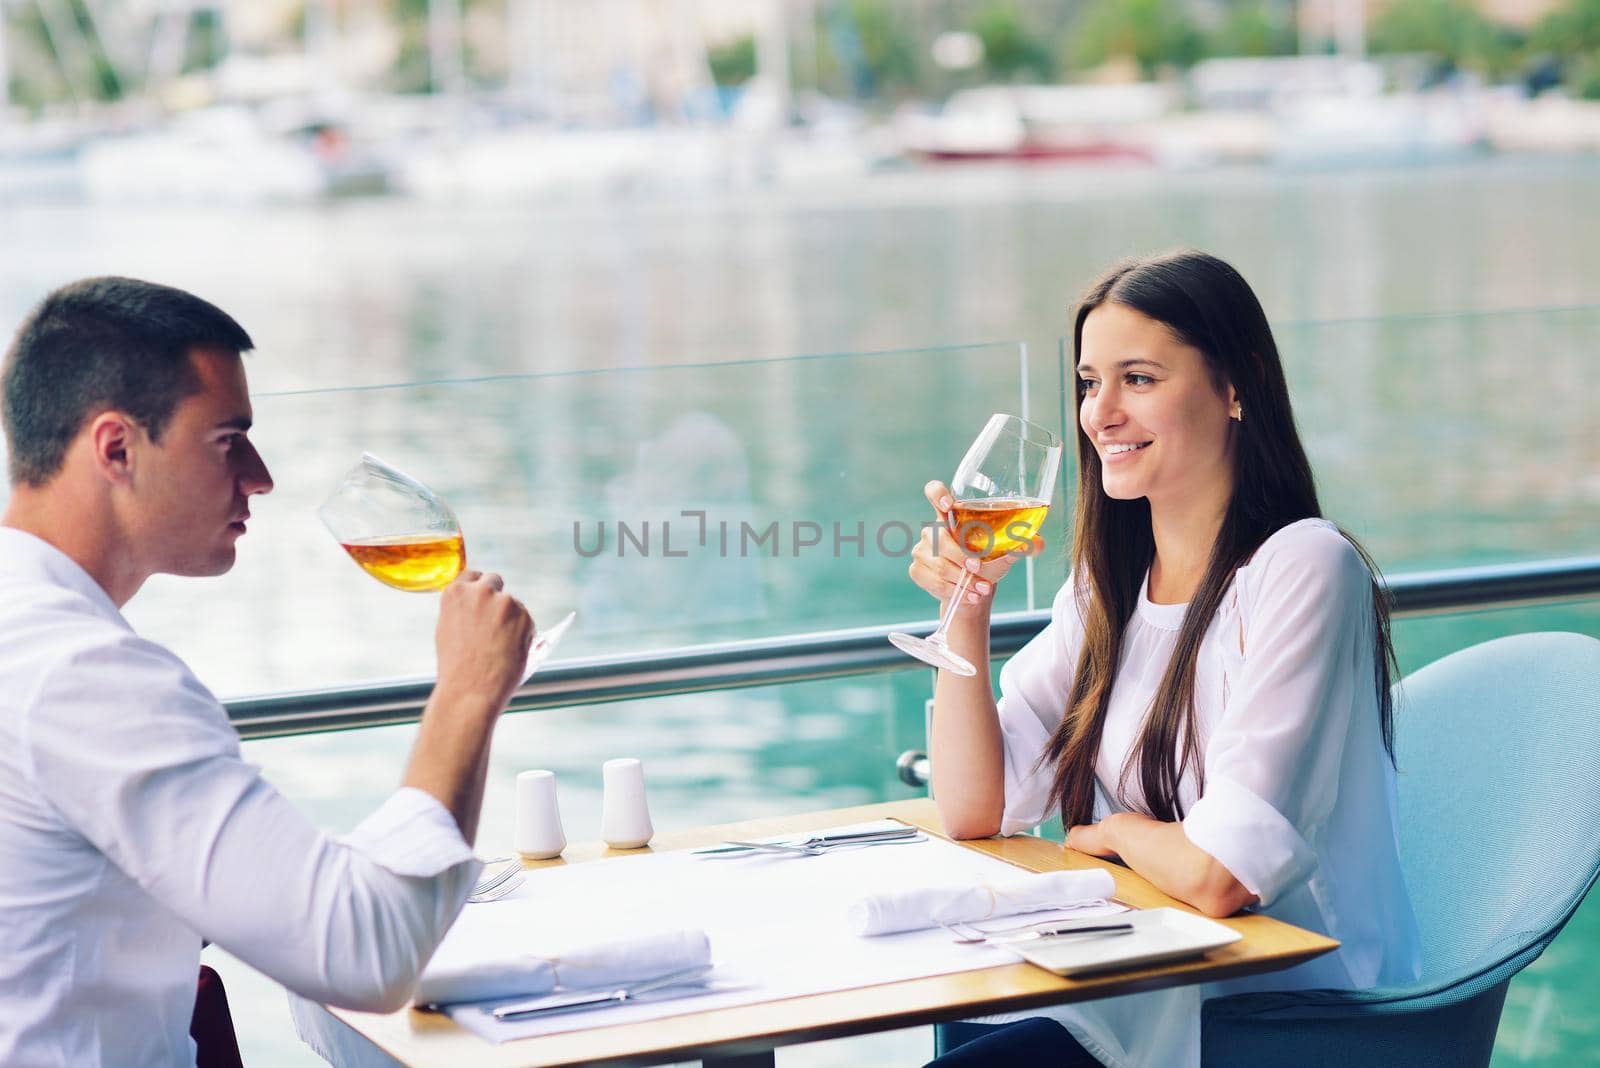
(1153, 412)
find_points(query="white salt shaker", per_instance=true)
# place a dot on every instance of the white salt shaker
(537, 834)
(624, 813)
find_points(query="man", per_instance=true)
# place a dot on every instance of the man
(130, 828)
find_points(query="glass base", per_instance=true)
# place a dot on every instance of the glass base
(545, 643)
(933, 653)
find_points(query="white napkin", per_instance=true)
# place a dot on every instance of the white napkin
(447, 982)
(450, 979)
(632, 959)
(929, 906)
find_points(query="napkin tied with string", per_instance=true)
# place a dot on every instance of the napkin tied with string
(971, 902)
(450, 979)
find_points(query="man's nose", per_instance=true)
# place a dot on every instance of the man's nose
(253, 476)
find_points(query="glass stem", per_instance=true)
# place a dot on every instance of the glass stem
(938, 637)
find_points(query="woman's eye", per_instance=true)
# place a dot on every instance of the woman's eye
(1086, 385)
(1140, 380)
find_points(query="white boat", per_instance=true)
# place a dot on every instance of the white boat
(39, 161)
(1351, 129)
(220, 155)
(1037, 122)
(540, 161)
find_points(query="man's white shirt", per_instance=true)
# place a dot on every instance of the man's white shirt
(130, 829)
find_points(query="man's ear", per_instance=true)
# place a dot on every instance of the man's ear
(113, 440)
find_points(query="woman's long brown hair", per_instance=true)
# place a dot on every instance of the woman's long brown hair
(1208, 306)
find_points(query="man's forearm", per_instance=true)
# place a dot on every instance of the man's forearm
(451, 757)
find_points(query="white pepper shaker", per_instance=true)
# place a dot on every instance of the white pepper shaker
(624, 812)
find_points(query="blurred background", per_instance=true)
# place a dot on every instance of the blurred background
(584, 262)
(300, 100)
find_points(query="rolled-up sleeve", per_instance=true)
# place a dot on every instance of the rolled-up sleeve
(1272, 761)
(156, 782)
(1034, 686)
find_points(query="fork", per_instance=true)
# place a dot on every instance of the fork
(489, 882)
(815, 848)
(838, 838)
(496, 892)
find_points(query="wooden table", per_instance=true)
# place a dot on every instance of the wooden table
(746, 1035)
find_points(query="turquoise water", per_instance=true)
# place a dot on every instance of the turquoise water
(1434, 324)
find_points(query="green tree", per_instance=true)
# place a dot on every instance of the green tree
(1450, 29)
(81, 70)
(1583, 76)
(1011, 48)
(1572, 35)
(1155, 33)
(1571, 30)
(1253, 29)
(734, 62)
(412, 71)
(864, 49)
(887, 48)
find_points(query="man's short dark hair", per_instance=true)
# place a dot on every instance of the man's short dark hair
(99, 344)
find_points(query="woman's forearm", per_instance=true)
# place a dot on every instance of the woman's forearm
(964, 739)
(1163, 854)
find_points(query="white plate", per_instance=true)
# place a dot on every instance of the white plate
(1158, 935)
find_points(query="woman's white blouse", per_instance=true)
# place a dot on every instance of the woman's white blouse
(1299, 798)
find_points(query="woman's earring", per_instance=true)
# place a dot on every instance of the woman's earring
(1238, 412)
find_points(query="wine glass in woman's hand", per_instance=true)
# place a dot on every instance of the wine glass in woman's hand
(1000, 493)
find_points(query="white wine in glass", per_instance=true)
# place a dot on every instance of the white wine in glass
(396, 528)
(411, 562)
(1001, 493)
(404, 535)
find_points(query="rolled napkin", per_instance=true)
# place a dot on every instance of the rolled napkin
(583, 966)
(449, 982)
(929, 906)
(632, 959)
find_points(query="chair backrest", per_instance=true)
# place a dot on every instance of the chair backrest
(1498, 748)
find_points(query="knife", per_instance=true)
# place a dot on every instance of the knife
(1063, 931)
(592, 999)
(889, 834)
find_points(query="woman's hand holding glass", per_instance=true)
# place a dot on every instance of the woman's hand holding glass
(940, 560)
(992, 507)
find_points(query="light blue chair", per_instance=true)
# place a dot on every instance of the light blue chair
(1498, 748)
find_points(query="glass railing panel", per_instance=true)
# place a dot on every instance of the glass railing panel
(709, 757)
(1453, 440)
(669, 506)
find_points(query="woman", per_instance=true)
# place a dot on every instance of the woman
(1210, 701)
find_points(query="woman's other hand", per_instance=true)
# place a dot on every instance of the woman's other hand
(1091, 838)
(1162, 853)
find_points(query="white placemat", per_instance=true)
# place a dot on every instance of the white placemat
(776, 923)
